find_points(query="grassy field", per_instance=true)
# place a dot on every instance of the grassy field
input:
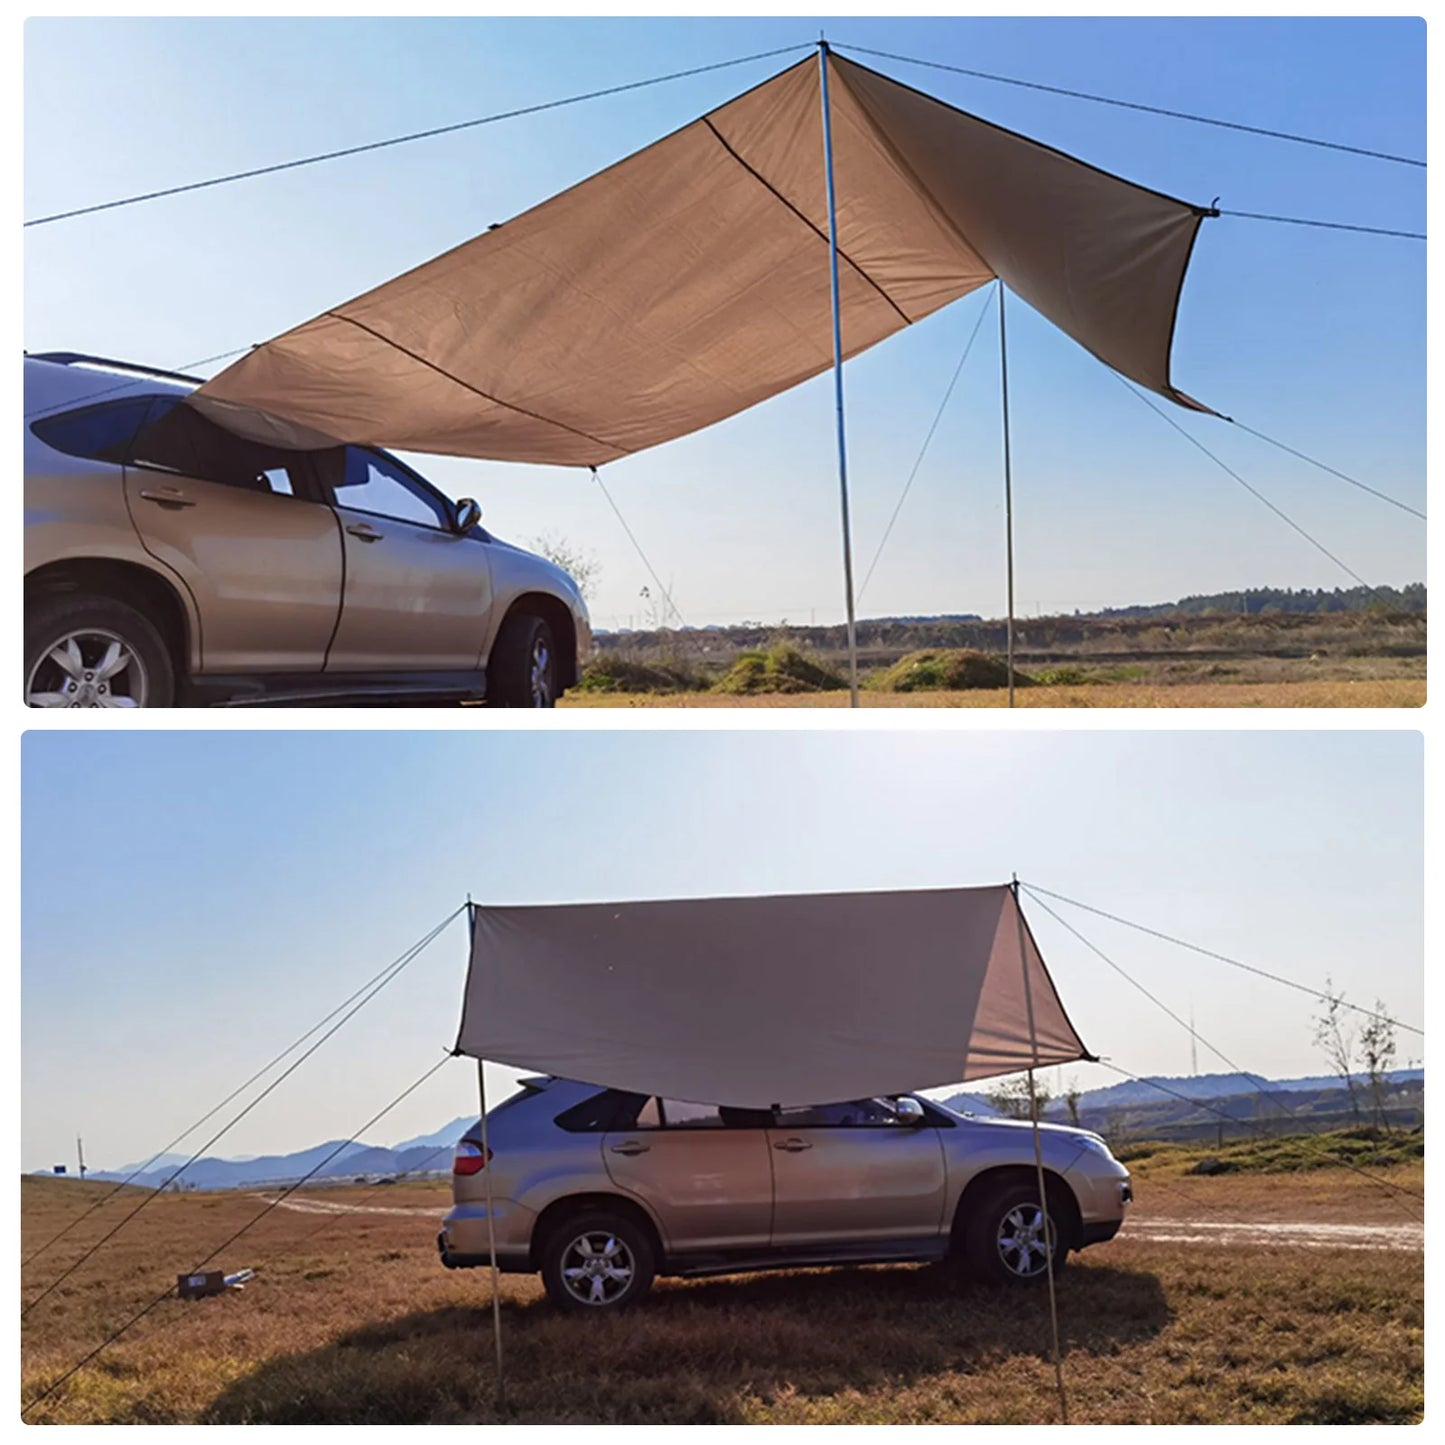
(1376, 692)
(352, 1320)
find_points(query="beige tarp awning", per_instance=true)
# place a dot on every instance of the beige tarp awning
(791, 999)
(691, 281)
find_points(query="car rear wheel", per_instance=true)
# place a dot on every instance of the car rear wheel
(523, 670)
(597, 1261)
(1004, 1240)
(86, 651)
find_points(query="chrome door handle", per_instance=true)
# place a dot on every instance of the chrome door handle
(366, 533)
(792, 1146)
(631, 1148)
(167, 497)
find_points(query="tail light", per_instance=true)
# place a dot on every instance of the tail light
(470, 1158)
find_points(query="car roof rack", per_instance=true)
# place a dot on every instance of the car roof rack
(81, 358)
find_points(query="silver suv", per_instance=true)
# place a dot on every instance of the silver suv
(601, 1190)
(169, 562)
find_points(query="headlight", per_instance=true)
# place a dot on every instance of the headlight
(1096, 1145)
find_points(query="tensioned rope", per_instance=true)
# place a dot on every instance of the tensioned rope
(412, 136)
(1316, 993)
(211, 1113)
(1259, 1084)
(1325, 225)
(632, 537)
(1135, 105)
(394, 970)
(927, 440)
(1248, 487)
(743, 60)
(169, 1291)
(1334, 472)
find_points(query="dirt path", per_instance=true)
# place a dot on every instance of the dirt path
(1292, 1235)
(1301, 1235)
(326, 1206)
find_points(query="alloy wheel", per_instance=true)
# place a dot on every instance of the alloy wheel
(540, 678)
(597, 1268)
(1021, 1242)
(90, 667)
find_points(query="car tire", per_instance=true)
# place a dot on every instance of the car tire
(572, 1268)
(1002, 1243)
(522, 671)
(86, 628)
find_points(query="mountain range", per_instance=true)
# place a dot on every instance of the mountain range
(1139, 1104)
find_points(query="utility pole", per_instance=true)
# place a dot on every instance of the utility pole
(80, 1155)
(1193, 1045)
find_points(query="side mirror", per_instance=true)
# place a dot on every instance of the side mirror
(468, 514)
(910, 1111)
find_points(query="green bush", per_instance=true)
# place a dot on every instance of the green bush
(610, 673)
(1061, 677)
(781, 668)
(946, 670)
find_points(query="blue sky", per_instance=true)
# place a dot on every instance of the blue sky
(192, 901)
(1314, 337)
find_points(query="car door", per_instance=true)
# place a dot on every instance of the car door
(709, 1183)
(242, 524)
(853, 1172)
(417, 594)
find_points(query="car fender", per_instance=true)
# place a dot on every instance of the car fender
(552, 1188)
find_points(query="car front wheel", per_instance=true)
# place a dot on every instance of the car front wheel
(601, 1262)
(85, 651)
(523, 670)
(1004, 1237)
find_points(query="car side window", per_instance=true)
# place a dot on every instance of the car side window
(596, 1114)
(178, 439)
(371, 483)
(856, 1113)
(678, 1114)
(102, 433)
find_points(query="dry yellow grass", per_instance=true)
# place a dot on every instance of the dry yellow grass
(354, 1321)
(1387, 692)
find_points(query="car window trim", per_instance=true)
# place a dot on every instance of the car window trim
(896, 1123)
(448, 506)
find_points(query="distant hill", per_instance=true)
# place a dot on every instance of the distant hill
(1127, 1109)
(1137, 1110)
(1409, 600)
(440, 1138)
(1251, 600)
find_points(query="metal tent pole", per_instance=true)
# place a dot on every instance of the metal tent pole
(491, 1235)
(838, 375)
(1038, 1150)
(1008, 483)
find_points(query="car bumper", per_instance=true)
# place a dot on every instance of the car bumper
(465, 1242)
(1104, 1191)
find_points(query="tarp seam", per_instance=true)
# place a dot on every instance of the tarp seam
(475, 390)
(820, 234)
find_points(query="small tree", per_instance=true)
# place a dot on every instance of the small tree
(1011, 1098)
(1337, 1042)
(583, 567)
(1377, 1052)
(1072, 1095)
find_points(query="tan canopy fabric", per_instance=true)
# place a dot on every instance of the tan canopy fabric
(691, 281)
(801, 999)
